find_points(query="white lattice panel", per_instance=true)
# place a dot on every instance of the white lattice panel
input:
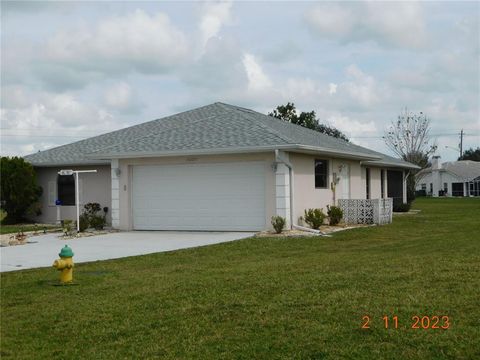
(362, 211)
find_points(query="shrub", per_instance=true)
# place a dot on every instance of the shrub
(278, 223)
(19, 189)
(401, 207)
(314, 218)
(84, 223)
(91, 208)
(97, 222)
(67, 227)
(335, 214)
(90, 217)
(35, 209)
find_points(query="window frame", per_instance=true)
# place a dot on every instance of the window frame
(326, 174)
(69, 194)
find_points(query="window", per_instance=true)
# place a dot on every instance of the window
(66, 189)
(431, 189)
(424, 187)
(457, 189)
(382, 183)
(367, 182)
(445, 187)
(321, 174)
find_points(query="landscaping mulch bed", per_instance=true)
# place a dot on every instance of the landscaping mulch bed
(14, 239)
(87, 233)
(326, 229)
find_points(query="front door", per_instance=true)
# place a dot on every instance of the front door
(344, 182)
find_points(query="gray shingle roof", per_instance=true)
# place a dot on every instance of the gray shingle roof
(209, 129)
(466, 170)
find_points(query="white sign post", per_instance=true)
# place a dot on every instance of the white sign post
(77, 195)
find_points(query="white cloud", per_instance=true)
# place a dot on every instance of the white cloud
(214, 16)
(360, 87)
(351, 127)
(332, 88)
(133, 42)
(257, 79)
(220, 69)
(120, 97)
(400, 24)
(56, 112)
(332, 19)
(50, 119)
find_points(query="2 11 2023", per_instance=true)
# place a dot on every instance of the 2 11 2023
(417, 322)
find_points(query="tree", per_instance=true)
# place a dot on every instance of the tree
(306, 119)
(408, 137)
(19, 189)
(471, 154)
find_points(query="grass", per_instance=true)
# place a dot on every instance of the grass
(264, 297)
(13, 229)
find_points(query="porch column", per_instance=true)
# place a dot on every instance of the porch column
(115, 208)
(282, 193)
(404, 187)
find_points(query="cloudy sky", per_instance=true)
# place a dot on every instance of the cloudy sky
(72, 70)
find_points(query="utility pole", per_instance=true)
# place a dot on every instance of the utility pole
(461, 143)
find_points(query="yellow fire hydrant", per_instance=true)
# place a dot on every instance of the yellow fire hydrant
(65, 265)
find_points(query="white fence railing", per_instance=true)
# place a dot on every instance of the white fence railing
(372, 211)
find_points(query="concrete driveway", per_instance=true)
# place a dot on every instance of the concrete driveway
(44, 249)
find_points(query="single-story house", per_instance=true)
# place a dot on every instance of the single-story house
(217, 167)
(452, 178)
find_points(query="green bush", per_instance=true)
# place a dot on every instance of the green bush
(18, 188)
(84, 223)
(97, 222)
(67, 227)
(278, 223)
(314, 218)
(335, 214)
(90, 217)
(91, 208)
(401, 207)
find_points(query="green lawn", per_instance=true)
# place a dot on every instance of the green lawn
(264, 298)
(13, 229)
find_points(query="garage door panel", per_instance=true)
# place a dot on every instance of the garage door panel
(199, 197)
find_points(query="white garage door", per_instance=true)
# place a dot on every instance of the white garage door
(199, 197)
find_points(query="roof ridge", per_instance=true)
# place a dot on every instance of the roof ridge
(261, 124)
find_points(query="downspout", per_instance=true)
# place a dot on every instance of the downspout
(287, 163)
(279, 159)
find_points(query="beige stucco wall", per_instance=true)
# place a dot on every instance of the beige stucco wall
(125, 177)
(96, 188)
(307, 196)
(375, 183)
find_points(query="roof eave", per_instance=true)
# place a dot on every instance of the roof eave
(250, 149)
(392, 164)
(336, 153)
(71, 163)
(216, 151)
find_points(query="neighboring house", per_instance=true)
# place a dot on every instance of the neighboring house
(453, 178)
(217, 167)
